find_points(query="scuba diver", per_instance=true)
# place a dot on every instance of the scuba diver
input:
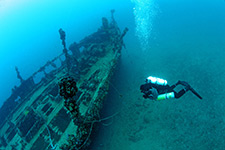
(158, 89)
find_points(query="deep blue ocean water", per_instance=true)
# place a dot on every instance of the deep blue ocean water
(176, 40)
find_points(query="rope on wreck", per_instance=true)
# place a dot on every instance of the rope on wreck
(113, 86)
(50, 139)
(92, 123)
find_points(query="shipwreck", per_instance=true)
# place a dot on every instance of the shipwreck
(62, 109)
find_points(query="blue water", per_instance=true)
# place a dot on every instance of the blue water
(181, 40)
(29, 32)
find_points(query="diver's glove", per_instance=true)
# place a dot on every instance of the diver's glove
(146, 96)
(151, 94)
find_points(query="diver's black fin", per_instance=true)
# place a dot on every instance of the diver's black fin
(194, 92)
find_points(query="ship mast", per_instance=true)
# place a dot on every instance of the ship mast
(65, 51)
(18, 75)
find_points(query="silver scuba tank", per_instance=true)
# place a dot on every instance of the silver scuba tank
(155, 80)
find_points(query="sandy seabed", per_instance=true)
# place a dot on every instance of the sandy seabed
(177, 124)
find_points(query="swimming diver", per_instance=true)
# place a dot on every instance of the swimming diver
(158, 89)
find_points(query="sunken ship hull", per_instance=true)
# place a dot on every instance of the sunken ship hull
(37, 117)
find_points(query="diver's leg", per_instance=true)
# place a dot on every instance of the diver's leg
(185, 84)
(173, 86)
(180, 93)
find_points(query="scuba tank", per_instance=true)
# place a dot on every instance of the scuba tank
(155, 80)
(166, 96)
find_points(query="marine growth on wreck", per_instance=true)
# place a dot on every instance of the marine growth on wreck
(62, 110)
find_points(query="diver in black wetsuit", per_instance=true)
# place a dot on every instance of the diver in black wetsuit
(158, 89)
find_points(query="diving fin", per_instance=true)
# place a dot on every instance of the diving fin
(188, 87)
(194, 92)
